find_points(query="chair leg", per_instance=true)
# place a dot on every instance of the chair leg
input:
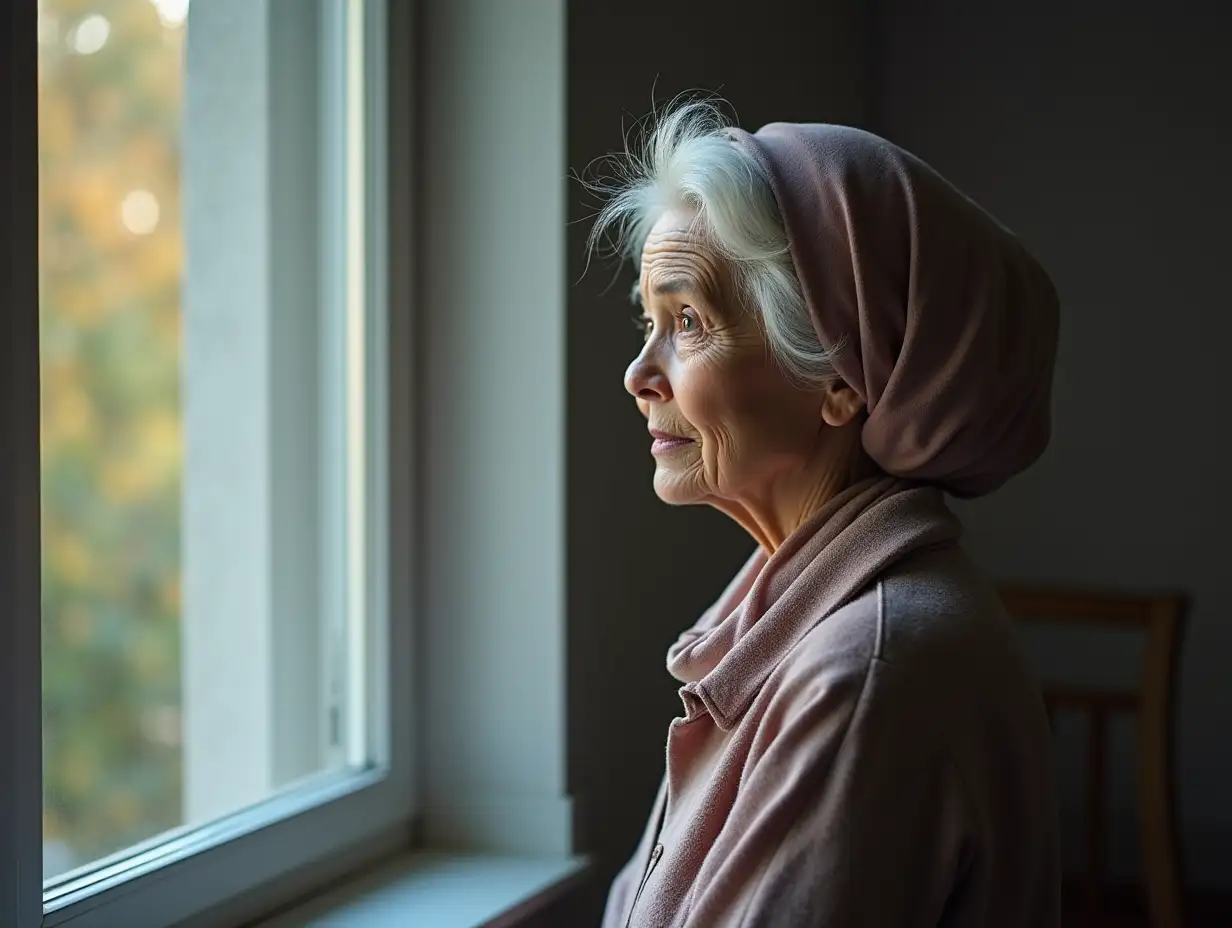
(1157, 823)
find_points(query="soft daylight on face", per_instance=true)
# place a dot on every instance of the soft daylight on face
(706, 376)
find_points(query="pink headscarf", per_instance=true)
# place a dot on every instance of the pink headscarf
(948, 325)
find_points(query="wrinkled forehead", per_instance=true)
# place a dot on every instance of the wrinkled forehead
(677, 258)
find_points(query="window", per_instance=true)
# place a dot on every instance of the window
(201, 496)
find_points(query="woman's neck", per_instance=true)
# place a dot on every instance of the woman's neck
(778, 509)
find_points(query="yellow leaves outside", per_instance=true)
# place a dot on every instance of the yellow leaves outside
(71, 558)
(152, 463)
(68, 417)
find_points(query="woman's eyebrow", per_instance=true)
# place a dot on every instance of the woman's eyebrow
(669, 285)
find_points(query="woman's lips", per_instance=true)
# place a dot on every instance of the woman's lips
(666, 441)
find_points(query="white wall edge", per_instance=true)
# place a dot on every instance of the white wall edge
(492, 301)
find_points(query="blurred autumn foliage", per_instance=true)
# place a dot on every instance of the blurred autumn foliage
(111, 255)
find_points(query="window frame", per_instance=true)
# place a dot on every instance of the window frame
(247, 863)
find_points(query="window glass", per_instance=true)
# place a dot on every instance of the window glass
(202, 403)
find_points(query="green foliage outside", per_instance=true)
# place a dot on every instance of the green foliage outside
(110, 259)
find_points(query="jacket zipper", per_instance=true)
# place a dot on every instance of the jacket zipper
(654, 859)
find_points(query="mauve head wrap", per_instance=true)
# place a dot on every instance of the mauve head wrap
(948, 326)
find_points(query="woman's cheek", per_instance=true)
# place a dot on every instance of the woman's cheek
(700, 392)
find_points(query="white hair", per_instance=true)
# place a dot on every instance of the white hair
(686, 160)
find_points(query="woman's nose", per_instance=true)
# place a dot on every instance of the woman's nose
(645, 380)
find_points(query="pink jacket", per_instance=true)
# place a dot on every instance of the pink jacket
(861, 745)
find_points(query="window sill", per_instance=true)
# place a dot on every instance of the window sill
(441, 890)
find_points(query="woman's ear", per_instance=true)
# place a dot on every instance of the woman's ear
(841, 404)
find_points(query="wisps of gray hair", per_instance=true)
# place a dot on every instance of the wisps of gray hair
(683, 159)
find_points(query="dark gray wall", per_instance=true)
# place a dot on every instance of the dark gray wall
(1100, 133)
(639, 572)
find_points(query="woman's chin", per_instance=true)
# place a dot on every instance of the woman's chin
(676, 489)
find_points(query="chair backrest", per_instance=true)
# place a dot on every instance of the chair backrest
(1159, 617)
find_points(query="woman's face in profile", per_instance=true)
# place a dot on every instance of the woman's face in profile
(726, 421)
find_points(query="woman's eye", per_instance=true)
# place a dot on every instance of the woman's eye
(685, 322)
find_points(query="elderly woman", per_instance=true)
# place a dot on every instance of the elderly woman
(835, 337)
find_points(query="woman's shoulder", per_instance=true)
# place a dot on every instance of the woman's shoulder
(934, 619)
(938, 613)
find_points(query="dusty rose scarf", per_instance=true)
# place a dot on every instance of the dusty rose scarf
(948, 325)
(777, 599)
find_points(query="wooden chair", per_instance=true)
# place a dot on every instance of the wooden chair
(1160, 618)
